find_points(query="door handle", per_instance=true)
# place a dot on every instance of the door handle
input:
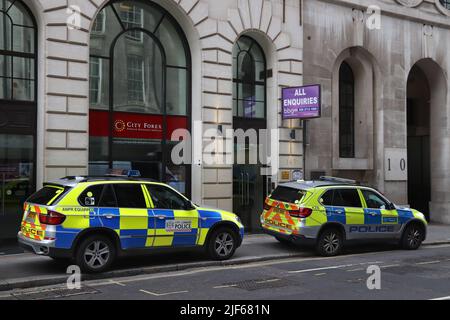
(160, 217)
(108, 216)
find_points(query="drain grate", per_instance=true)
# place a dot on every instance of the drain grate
(53, 293)
(259, 284)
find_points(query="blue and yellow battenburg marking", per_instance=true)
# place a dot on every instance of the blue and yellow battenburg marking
(139, 228)
(276, 218)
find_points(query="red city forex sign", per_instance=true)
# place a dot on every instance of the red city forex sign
(133, 125)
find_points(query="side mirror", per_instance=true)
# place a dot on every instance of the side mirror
(189, 205)
(89, 201)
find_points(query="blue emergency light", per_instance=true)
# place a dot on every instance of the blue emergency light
(133, 173)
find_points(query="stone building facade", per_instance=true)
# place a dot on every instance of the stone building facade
(400, 96)
(290, 42)
(211, 30)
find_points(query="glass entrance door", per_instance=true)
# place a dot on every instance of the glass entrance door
(16, 180)
(248, 194)
(250, 187)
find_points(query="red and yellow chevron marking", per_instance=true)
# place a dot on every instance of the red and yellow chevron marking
(277, 217)
(30, 226)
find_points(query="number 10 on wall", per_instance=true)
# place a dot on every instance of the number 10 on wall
(396, 164)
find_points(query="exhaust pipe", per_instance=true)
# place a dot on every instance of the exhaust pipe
(44, 250)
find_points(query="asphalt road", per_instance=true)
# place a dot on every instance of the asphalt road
(421, 274)
(30, 265)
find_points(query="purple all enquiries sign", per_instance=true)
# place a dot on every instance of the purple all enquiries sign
(301, 102)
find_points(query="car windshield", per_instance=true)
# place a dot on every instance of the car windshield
(47, 195)
(287, 194)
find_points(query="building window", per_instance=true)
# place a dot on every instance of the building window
(18, 107)
(346, 111)
(99, 23)
(143, 90)
(135, 79)
(445, 4)
(132, 18)
(95, 75)
(17, 52)
(249, 80)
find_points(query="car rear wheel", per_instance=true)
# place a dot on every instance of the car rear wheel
(412, 237)
(222, 244)
(330, 243)
(95, 254)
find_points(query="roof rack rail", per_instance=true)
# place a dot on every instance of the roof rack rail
(83, 178)
(337, 180)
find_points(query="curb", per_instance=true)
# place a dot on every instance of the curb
(435, 243)
(30, 282)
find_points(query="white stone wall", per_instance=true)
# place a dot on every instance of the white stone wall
(417, 31)
(212, 27)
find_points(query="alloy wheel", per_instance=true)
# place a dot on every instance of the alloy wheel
(331, 243)
(96, 254)
(224, 244)
(414, 237)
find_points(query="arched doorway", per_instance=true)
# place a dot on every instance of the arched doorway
(249, 117)
(140, 80)
(418, 136)
(18, 109)
(428, 141)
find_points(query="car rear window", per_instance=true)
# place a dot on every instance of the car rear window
(48, 195)
(287, 194)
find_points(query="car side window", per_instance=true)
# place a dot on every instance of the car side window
(108, 199)
(129, 195)
(347, 198)
(90, 197)
(373, 200)
(165, 198)
(327, 198)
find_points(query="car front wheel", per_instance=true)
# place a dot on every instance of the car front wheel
(222, 244)
(412, 237)
(95, 254)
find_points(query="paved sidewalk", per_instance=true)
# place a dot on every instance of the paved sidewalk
(24, 270)
(438, 233)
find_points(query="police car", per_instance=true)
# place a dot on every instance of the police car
(330, 211)
(93, 220)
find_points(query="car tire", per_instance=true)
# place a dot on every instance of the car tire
(95, 254)
(282, 240)
(412, 237)
(330, 242)
(222, 244)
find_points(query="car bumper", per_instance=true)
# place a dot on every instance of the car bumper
(42, 247)
(294, 238)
